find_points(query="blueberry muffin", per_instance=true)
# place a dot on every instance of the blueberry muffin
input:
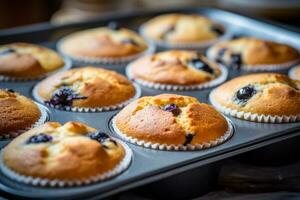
(86, 87)
(105, 42)
(171, 119)
(182, 29)
(23, 60)
(294, 73)
(260, 94)
(69, 152)
(175, 67)
(253, 54)
(17, 113)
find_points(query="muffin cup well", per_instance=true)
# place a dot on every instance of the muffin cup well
(170, 87)
(292, 72)
(108, 62)
(67, 66)
(43, 118)
(43, 182)
(260, 67)
(138, 93)
(199, 46)
(227, 135)
(254, 117)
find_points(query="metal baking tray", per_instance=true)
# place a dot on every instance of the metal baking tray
(151, 165)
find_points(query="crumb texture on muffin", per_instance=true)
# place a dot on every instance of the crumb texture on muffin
(26, 60)
(171, 119)
(17, 112)
(182, 28)
(103, 42)
(175, 67)
(267, 93)
(86, 87)
(71, 151)
(252, 51)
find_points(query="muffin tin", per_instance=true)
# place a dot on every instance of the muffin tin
(149, 165)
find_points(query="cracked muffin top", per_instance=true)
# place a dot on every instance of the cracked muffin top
(86, 87)
(63, 151)
(103, 42)
(23, 60)
(17, 112)
(252, 52)
(177, 67)
(182, 28)
(172, 120)
(267, 93)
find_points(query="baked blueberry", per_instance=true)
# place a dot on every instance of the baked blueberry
(199, 64)
(7, 51)
(172, 108)
(10, 90)
(40, 138)
(188, 138)
(99, 136)
(245, 93)
(217, 29)
(64, 96)
(168, 30)
(113, 25)
(220, 55)
(235, 61)
(129, 41)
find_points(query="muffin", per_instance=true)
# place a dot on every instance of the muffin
(110, 44)
(17, 113)
(176, 69)
(254, 54)
(294, 73)
(182, 30)
(86, 87)
(171, 122)
(28, 61)
(64, 155)
(266, 97)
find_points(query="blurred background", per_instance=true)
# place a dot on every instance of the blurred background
(15, 13)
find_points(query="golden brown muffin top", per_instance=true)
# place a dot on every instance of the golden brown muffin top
(176, 67)
(182, 28)
(171, 119)
(65, 152)
(267, 93)
(252, 51)
(103, 42)
(28, 60)
(17, 112)
(86, 87)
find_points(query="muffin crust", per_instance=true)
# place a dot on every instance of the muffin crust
(23, 60)
(149, 119)
(175, 67)
(182, 28)
(89, 87)
(17, 112)
(65, 153)
(269, 94)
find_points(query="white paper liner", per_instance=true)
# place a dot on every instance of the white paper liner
(108, 62)
(43, 118)
(190, 46)
(121, 167)
(292, 72)
(170, 87)
(68, 65)
(227, 135)
(254, 117)
(259, 67)
(138, 93)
